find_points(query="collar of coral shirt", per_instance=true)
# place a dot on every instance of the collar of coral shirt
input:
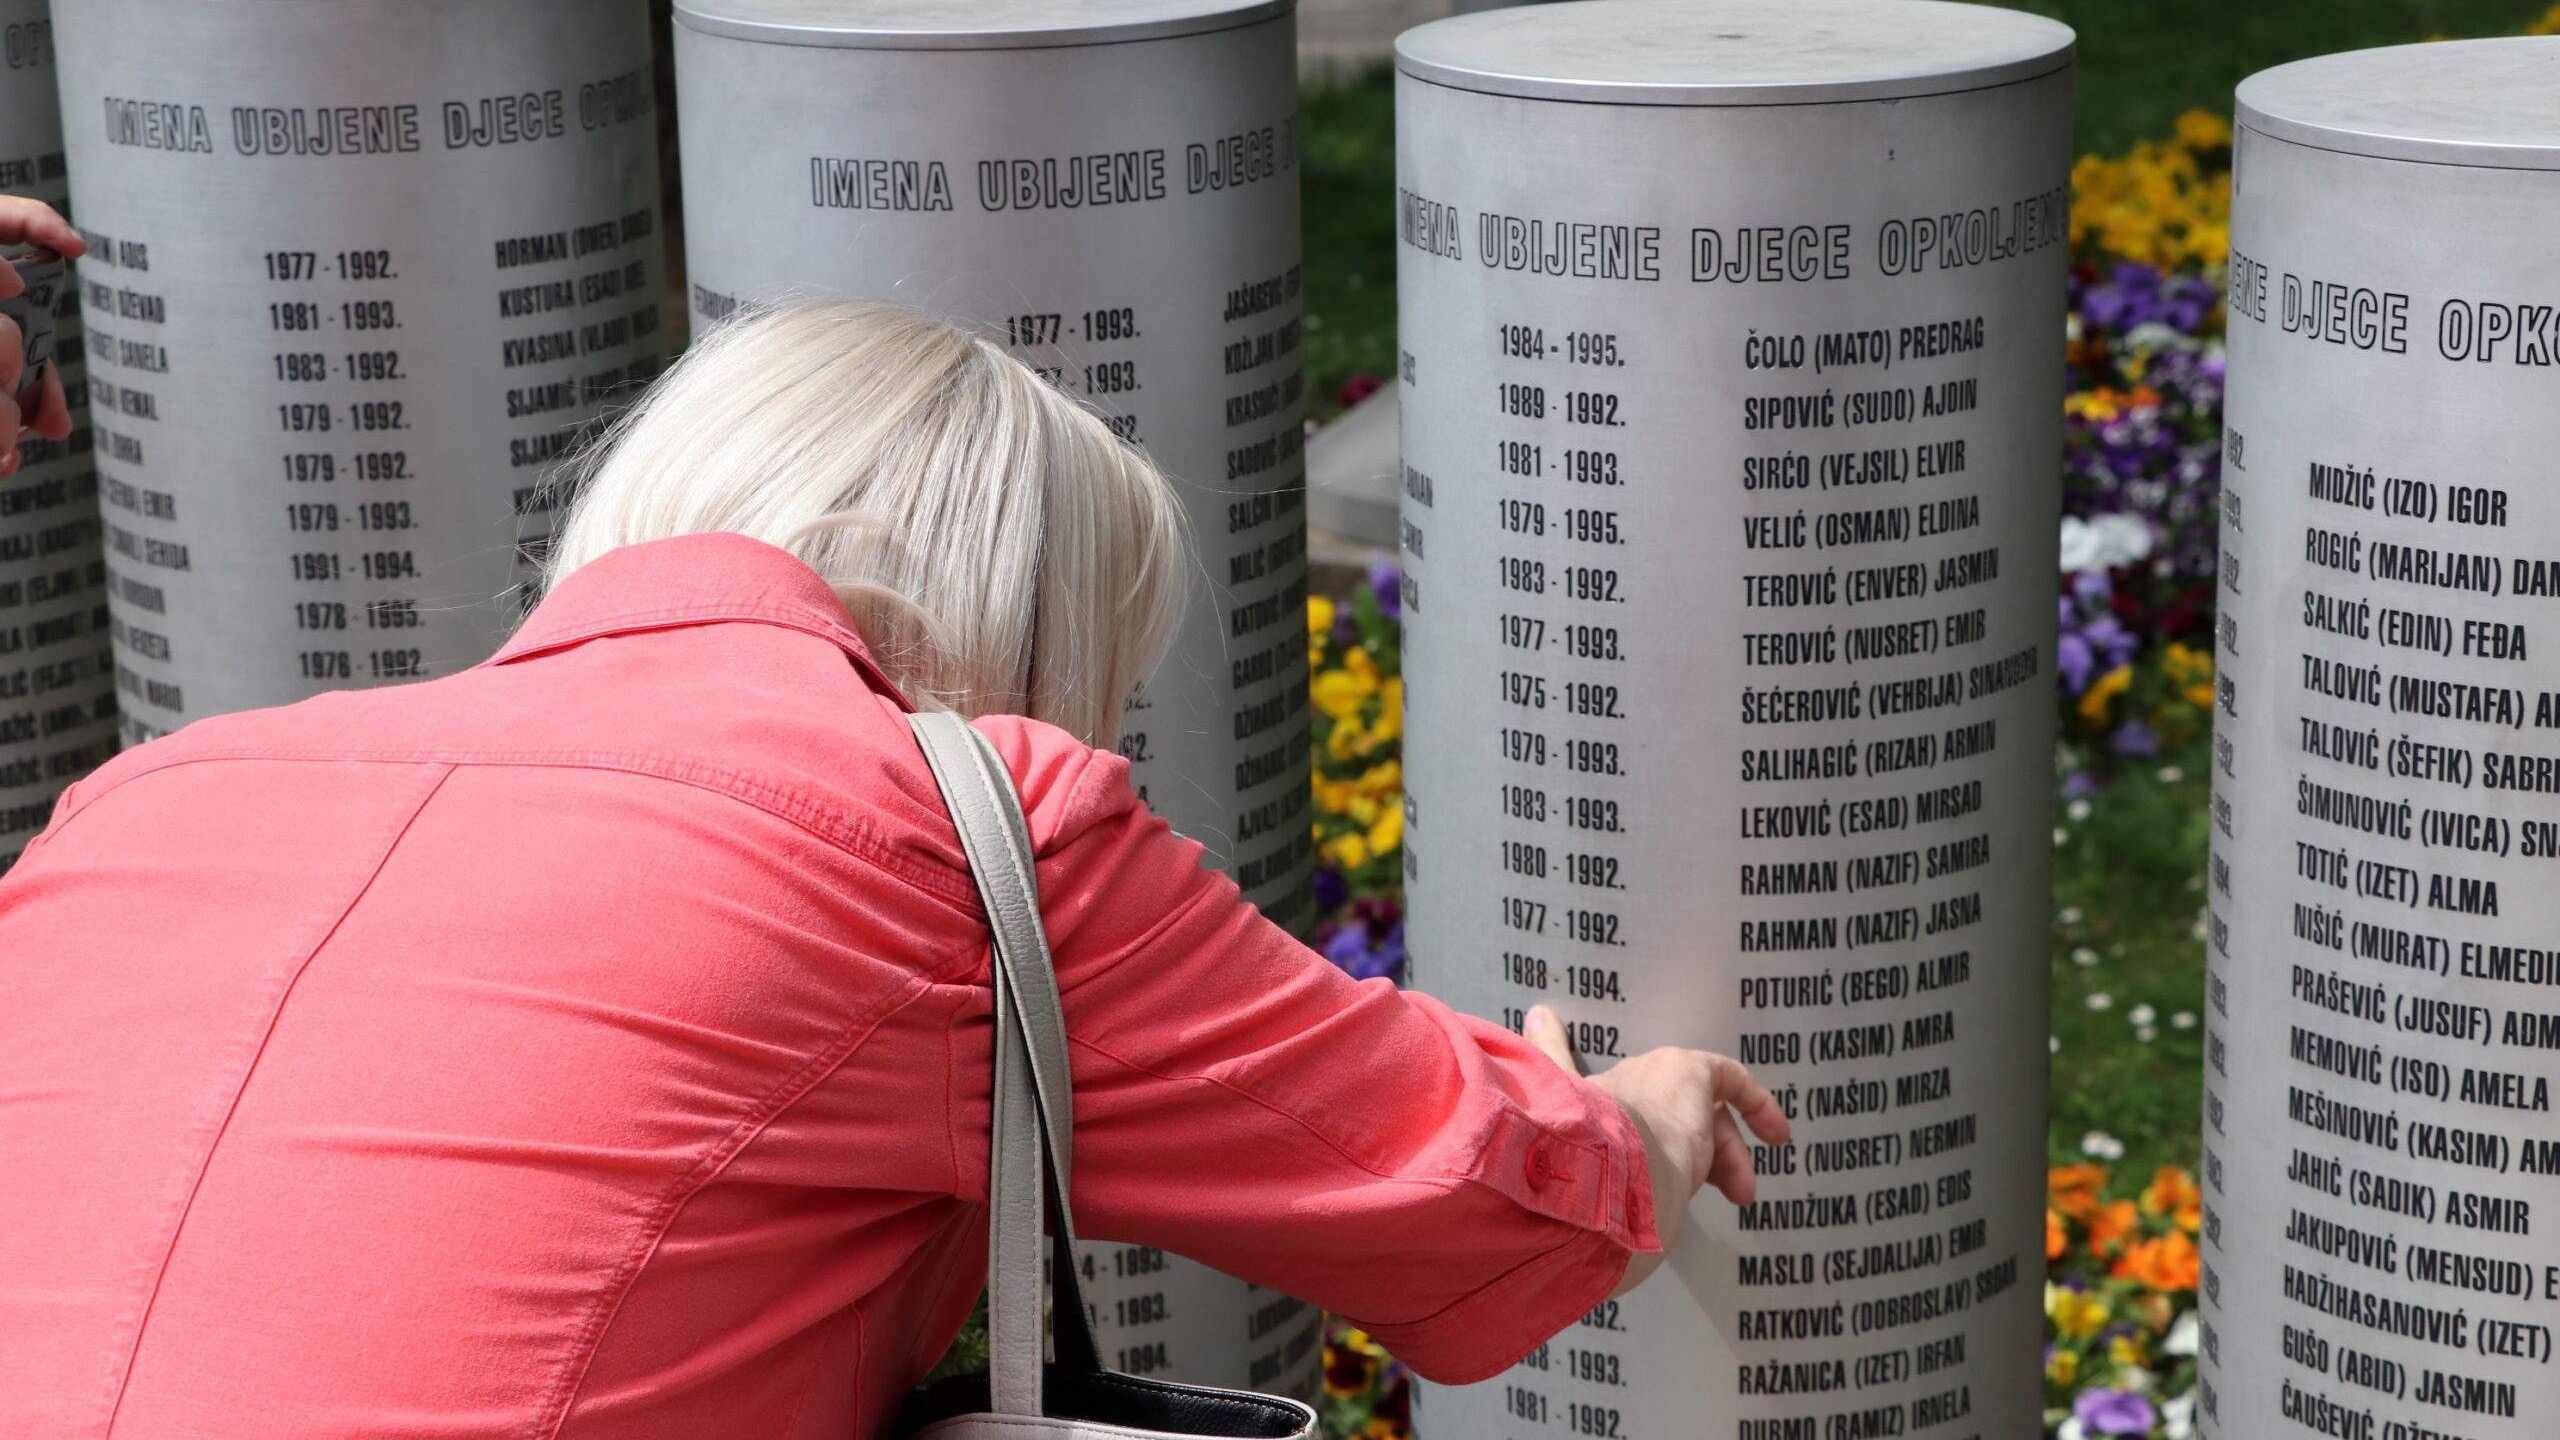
(709, 579)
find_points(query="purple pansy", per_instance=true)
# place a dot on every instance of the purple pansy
(2114, 1412)
(1367, 956)
(2093, 641)
(2133, 739)
(1333, 889)
(1387, 583)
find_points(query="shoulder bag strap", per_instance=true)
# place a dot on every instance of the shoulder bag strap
(1034, 1116)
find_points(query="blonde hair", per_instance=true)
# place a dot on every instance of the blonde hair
(1000, 550)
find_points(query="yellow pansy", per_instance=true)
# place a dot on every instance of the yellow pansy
(2155, 204)
(2064, 1367)
(2091, 405)
(2204, 130)
(1319, 618)
(1391, 708)
(1349, 1372)
(1340, 694)
(2102, 692)
(2076, 1313)
(1349, 851)
(1346, 740)
(2209, 245)
(1388, 831)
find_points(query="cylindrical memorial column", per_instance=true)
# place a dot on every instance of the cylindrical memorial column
(57, 680)
(2382, 1164)
(1110, 190)
(358, 273)
(1732, 415)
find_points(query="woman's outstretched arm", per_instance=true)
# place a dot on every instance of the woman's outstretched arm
(1430, 1175)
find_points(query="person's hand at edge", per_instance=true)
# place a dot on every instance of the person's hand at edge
(1685, 1105)
(30, 222)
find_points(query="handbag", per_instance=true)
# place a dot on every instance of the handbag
(1021, 1396)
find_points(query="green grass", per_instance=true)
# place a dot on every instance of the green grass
(1347, 181)
(2128, 886)
(2144, 61)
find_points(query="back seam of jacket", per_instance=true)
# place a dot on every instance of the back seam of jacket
(833, 827)
(796, 1087)
(204, 1163)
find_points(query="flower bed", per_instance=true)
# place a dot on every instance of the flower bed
(2142, 451)
(2120, 1304)
(1355, 660)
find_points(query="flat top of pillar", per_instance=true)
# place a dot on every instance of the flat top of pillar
(968, 24)
(1734, 52)
(2492, 103)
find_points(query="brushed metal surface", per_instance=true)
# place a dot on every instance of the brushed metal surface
(1123, 216)
(1731, 437)
(2380, 1152)
(357, 273)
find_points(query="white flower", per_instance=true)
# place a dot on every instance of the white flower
(2182, 1336)
(2103, 542)
(2099, 1145)
(2194, 883)
(2078, 810)
(2142, 1015)
(2171, 774)
(2146, 1033)
(2183, 1020)
(2101, 1000)
(2070, 915)
(2157, 335)
(2200, 930)
(2061, 837)
(2053, 1044)
(2072, 1429)
(2083, 956)
(2178, 1417)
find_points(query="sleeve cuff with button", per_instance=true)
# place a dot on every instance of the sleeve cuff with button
(1562, 1148)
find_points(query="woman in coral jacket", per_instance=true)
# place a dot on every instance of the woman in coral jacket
(595, 1043)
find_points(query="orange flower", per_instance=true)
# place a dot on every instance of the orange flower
(2173, 1193)
(2111, 1224)
(2168, 1263)
(2056, 1240)
(2073, 1189)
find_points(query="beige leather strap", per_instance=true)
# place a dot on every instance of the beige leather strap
(1033, 1095)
